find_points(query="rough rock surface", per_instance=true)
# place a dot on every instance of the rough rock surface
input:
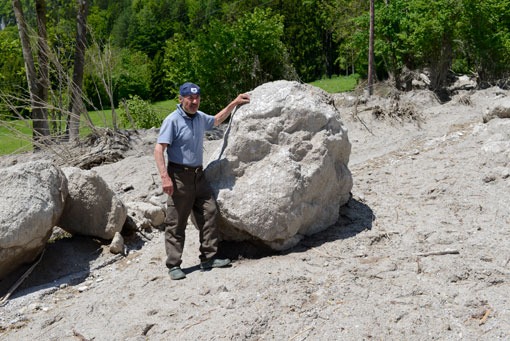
(501, 109)
(117, 244)
(143, 211)
(31, 202)
(283, 173)
(92, 209)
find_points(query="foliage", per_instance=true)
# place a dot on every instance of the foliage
(226, 59)
(129, 75)
(485, 31)
(12, 69)
(142, 113)
(410, 34)
(146, 25)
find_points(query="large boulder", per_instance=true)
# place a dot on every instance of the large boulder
(31, 202)
(283, 172)
(92, 208)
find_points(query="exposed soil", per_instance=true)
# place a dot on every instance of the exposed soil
(421, 251)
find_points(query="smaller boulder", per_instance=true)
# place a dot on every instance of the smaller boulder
(117, 244)
(144, 213)
(500, 108)
(92, 208)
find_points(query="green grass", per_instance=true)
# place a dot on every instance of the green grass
(337, 83)
(19, 141)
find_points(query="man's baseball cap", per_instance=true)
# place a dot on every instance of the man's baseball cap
(189, 89)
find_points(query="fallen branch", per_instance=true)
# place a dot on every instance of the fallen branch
(301, 332)
(4, 299)
(194, 324)
(108, 262)
(438, 253)
(144, 236)
(482, 321)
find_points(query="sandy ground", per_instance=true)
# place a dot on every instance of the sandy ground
(420, 252)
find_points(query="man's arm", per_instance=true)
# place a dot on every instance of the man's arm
(168, 186)
(222, 115)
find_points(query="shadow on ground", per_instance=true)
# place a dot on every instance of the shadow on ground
(354, 217)
(65, 261)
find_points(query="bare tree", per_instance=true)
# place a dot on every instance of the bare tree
(37, 85)
(102, 61)
(79, 62)
(371, 51)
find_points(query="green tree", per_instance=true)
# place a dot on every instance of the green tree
(227, 59)
(12, 72)
(485, 31)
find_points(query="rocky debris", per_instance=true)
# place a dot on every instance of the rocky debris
(283, 173)
(117, 244)
(463, 82)
(103, 147)
(91, 209)
(145, 214)
(420, 98)
(500, 108)
(31, 202)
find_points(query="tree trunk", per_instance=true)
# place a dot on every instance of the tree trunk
(371, 51)
(39, 121)
(43, 57)
(79, 62)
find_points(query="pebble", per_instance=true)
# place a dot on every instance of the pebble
(83, 288)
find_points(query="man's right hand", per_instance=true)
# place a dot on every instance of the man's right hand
(168, 186)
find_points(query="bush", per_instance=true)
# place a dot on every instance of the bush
(142, 113)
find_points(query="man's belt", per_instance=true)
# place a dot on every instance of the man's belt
(196, 169)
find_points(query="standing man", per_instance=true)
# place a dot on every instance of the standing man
(182, 135)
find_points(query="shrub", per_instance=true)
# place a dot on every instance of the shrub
(142, 113)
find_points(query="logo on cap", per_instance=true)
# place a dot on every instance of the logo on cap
(194, 90)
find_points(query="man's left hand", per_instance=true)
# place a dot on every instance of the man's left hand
(242, 99)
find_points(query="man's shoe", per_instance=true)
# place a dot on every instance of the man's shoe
(214, 263)
(176, 273)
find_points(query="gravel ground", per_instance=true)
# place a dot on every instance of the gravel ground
(421, 252)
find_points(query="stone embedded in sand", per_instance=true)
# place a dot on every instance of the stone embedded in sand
(144, 213)
(500, 108)
(283, 173)
(31, 202)
(117, 244)
(92, 209)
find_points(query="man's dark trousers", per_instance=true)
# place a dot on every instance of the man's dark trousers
(191, 193)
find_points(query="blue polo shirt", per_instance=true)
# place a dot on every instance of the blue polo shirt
(185, 136)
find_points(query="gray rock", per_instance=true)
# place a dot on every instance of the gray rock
(117, 244)
(500, 108)
(92, 209)
(283, 173)
(140, 210)
(31, 202)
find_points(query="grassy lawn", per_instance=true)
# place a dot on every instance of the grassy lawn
(11, 141)
(337, 83)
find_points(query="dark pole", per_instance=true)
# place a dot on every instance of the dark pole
(371, 51)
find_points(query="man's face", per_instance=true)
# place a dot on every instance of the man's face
(190, 103)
